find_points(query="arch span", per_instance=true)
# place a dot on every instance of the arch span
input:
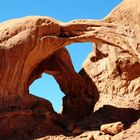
(37, 45)
(78, 88)
(46, 86)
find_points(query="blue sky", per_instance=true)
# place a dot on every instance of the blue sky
(64, 10)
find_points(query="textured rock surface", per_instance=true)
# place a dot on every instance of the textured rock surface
(32, 45)
(115, 68)
(112, 128)
(132, 133)
(28, 47)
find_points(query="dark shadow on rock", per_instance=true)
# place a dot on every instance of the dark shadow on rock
(81, 103)
(110, 114)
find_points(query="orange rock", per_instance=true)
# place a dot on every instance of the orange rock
(112, 128)
(32, 45)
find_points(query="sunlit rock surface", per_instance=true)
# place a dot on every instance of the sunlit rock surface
(32, 45)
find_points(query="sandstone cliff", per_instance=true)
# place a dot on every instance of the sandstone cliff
(109, 78)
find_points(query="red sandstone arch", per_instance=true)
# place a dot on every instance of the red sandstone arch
(32, 45)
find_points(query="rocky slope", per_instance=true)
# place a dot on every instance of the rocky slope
(102, 101)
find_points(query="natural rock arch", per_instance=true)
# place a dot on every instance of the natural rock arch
(39, 42)
(29, 44)
(59, 65)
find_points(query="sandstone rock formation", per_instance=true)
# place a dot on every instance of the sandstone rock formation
(32, 45)
(114, 68)
(112, 128)
(29, 47)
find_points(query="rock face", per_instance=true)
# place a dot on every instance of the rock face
(32, 45)
(114, 68)
(29, 47)
(112, 128)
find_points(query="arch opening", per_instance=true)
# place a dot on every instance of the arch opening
(78, 53)
(49, 86)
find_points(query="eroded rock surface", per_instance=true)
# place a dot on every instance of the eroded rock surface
(115, 70)
(32, 45)
(29, 47)
(112, 128)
